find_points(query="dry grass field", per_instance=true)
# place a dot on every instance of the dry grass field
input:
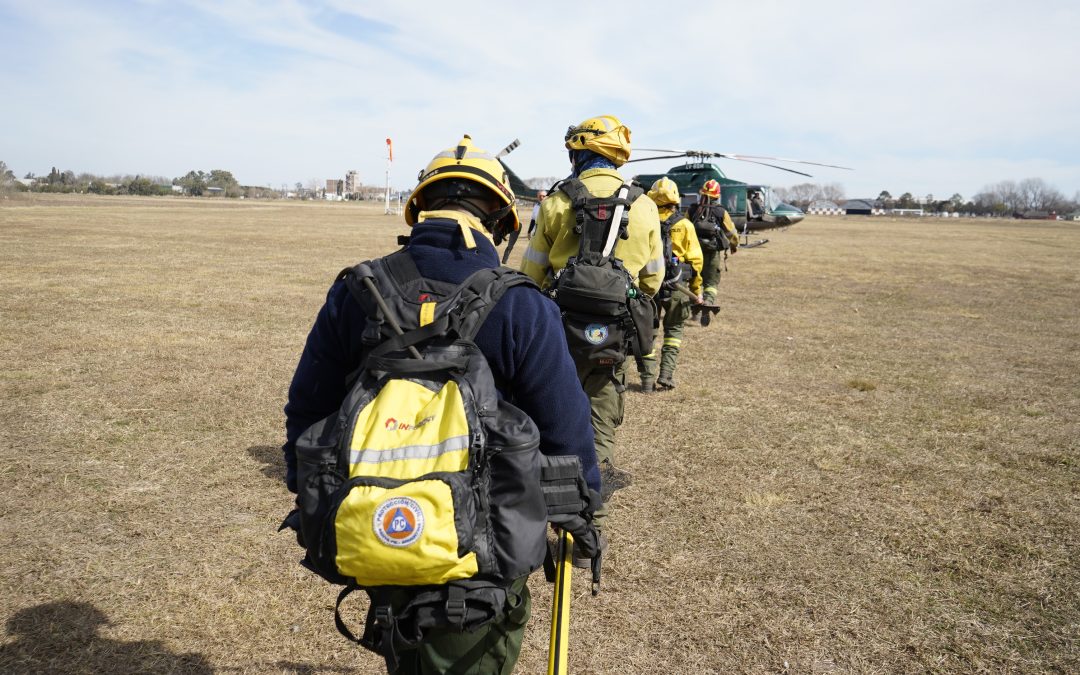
(871, 463)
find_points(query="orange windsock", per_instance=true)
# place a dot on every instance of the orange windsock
(390, 150)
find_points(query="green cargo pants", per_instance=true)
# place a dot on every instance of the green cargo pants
(710, 274)
(606, 402)
(490, 650)
(674, 313)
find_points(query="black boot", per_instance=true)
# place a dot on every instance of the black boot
(612, 479)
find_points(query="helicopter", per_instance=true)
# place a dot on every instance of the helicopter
(520, 189)
(752, 207)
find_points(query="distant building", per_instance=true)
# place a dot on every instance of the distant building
(352, 182)
(824, 207)
(370, 192)
(215, 192)
(859, 207)
(333, 186)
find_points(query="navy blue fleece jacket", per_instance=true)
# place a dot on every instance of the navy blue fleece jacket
(522, 339)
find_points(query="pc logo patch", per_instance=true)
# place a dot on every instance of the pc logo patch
(398, 522)
(596, 333)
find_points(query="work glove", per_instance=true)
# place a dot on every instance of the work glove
(580, 525)
(734, 246)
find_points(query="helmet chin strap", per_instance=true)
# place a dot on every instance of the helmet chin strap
(489, 219)
(493, 220)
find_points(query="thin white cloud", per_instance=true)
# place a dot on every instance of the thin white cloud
(946, 96)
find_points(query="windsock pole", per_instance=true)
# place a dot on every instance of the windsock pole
(558, 649)
(389, 161)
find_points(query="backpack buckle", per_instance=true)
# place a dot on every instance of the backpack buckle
(384, 617)
(455, 606)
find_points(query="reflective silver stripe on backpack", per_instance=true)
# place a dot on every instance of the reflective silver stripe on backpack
(371, 456)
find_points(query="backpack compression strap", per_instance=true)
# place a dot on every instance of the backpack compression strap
(479, 295)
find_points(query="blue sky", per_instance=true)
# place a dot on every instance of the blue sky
(927, 97)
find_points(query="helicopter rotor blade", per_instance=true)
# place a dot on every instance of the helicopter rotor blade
(649, 159)
(745, 158)
(754, 161)
(723, 155)
(784, 159)
(508, 149)
(679, 152)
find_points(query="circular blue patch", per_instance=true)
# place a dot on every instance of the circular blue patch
(398, 522)
(596, 333)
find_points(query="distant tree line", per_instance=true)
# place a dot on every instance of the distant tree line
(195, 183)
(804, 194)
(1026, 196)
(7, 178)
(1031, 197)
(199, 183)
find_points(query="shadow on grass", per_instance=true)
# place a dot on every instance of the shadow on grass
(286, 668)
(308, 669)
(273, 464)
(62, 637)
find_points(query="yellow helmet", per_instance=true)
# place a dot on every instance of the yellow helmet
(478, 174)
(664, 192)
(605, 135)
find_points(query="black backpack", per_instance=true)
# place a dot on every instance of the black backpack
(426, 482)
(708, 220)
(604, 314)
(676, 271)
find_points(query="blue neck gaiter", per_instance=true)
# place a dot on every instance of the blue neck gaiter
(583, 160)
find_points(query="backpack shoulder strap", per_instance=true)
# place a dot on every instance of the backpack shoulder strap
(574, 189)
(699, 213)
(375, 271)
(601, 221)
(467, 309)
(403, 288)
(665, 234)
(397, 267)
(478, 296)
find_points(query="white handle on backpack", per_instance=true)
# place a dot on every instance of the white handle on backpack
(613, 226)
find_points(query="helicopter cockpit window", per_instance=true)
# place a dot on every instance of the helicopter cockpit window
(755, 203)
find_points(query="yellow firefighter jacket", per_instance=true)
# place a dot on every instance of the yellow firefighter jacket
(555, 242)
(684, 244)
(732, 233)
